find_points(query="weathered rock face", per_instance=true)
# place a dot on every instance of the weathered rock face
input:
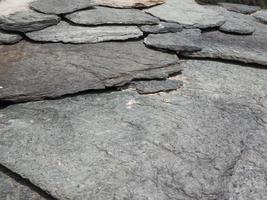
(9, 38)
(261, 16)
(162, 27)
(205, 141)
(246, 48)
(129, 3)
(8, 7)
(104, 15)
(187, 13)
(240, 8)
(28, 20)
(60, 6)
(78, 34)
(187, 40)
(35, 71)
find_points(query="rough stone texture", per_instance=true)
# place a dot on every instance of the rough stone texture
(261, 16)
(244, 48)
(60, 6)
(67, 33)
(104, 15)
(187, 40)
(240, 8)
(28, 20)
(162, 27)
(155, 86)
(9, 38)
(187, 13)
(205, 141)
(34, 71)
(8, 7)
(12, 190)
(129, 3)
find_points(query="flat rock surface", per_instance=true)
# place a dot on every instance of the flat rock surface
(104, 15)
(187, 13)
(34, 71)
(244, 48)
(67, 33)
(9, 38)
(240, 8)
(27, 20)
(261, 16)
(129, 3)
(162, 27)
(8, 7)
(186, 40)
(60, 6)
(205, 141)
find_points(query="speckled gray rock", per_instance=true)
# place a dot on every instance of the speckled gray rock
(244, 48)
(60, 6)
(28, 20)
(155, 86)
(162, 27)
(187, 13)
(67, 33)
(261, 16)
(9, 38)
(240, 8)
(104, 15)
(34, 71)
(186, 40)
(205, 141)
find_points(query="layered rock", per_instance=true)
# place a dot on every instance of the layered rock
(36, 71)
(261, 16)
(187, 13)
(162, 27)
(129, 3)
(240, 8)
(81, 34)
(9, 38)
(104, 15)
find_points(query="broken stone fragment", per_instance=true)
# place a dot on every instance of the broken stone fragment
(9, 38)
(129, 3)
(60, 6)
(67, 33)
(240, 8)
(243, 48)
(187, 13)
(155, 86)
(261, 16)
(162, 27)
(26, 21)
(35, 71)
(104, 15)
(186, 40)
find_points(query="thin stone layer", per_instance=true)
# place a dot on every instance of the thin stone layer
(162, 27)
(240, 8)
(67, 33)
(205, 141)
(129, 3)
(60, 6)
(104, 15)
(187, 13)
(9, 38)
(35, 71)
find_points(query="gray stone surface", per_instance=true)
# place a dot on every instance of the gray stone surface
(34, 71)
(129, 3)
(9, 38)
(162, 27)
(187, 13)
(240, 8)
(155, 86)
(186, 40)
(244, 48)
(205, 141)
(104, 15)
(67, 33)
(28, 20)
(60, 6)
(261, 16)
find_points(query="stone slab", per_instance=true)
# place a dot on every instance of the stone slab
(240, 8)
(261, 16)
(31, 71)
(9, 38)
(129, 3)
(205, 141)
(162, 27)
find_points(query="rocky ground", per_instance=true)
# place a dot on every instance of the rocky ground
(132, 100)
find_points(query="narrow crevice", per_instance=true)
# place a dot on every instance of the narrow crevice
(19, 179)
